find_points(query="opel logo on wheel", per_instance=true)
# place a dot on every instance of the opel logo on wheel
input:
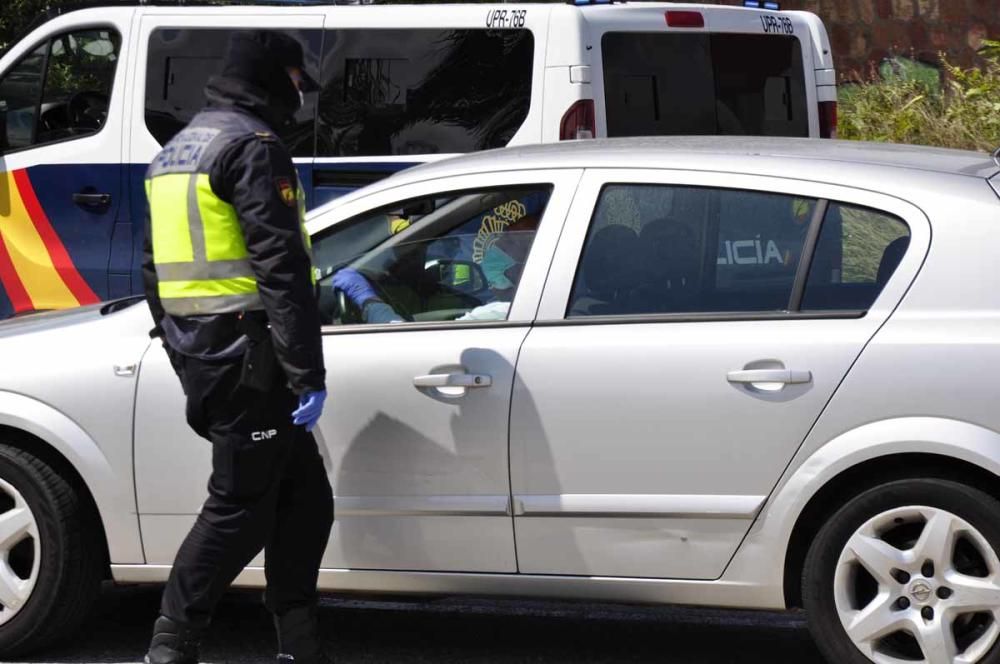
(920, 591)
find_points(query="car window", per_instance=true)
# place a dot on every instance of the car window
(456, 256)
(858, 250)
(180, 63)
(655, 249)
(401, 92)
(77, 70)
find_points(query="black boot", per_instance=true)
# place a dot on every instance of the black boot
(298, 637)
(174, 643)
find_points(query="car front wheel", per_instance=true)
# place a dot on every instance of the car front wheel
(908, 572)
(50, 567)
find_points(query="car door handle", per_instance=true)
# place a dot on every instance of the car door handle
(785, 376)
(92, 199)
(453, 380)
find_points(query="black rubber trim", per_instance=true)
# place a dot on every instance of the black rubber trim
(808, 250)
(362, 328)
(704, 317)
(347, 179)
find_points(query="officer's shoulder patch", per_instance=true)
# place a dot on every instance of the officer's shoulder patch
(286, 190)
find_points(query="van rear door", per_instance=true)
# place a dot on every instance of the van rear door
(695, 69)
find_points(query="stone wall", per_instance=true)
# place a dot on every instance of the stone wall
(865, 31)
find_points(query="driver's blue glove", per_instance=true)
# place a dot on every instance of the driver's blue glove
(355, 286)
(309, 410)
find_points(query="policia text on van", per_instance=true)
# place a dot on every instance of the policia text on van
(88, 98)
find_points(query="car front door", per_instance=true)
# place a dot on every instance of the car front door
(418, 463)
(680, 356)
(416, 427)
(61, 101)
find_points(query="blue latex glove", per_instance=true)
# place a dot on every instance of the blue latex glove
(355, 286)
(309, 410)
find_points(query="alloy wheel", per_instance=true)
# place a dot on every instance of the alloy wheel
(919, 584)
(20, 552)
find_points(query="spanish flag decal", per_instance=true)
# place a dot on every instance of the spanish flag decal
(35, 268)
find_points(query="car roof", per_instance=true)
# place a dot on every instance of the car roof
(652, 151)
(854, 163)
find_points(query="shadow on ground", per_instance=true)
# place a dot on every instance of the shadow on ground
(459, 632)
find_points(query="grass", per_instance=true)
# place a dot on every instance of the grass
(902, 104)
(866, 234)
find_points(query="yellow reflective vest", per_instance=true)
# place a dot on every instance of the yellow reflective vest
(199, 252)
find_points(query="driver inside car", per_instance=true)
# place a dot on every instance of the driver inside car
(502, 263)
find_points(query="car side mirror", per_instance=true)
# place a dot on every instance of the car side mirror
(457, 275)
(419, 208)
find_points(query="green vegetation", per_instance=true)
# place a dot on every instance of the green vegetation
(17, 15)
(865, 234)
(902, 104)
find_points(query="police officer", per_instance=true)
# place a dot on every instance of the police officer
(229, 282)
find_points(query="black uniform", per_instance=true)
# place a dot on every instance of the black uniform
(268, 487)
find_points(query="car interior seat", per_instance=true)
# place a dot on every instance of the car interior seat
(609, 273)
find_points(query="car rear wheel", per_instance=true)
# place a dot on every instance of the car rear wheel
(50, 567)
(908, 572)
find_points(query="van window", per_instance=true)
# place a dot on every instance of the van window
(735, 84)
(402, 92)
(71, 99)
(180, 64)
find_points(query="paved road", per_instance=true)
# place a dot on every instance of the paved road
(462, 632)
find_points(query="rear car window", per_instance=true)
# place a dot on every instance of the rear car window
(655, 249)
(403, 92)
(688, 83)
(858, 251)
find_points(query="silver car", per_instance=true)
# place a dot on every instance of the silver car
(755, 373)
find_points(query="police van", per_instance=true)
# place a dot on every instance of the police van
(89, 97)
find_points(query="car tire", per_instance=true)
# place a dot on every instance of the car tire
(57, 559)
(868, 568)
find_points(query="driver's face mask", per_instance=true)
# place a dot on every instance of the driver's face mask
(495, 264)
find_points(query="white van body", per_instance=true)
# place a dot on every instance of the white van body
(485, 76)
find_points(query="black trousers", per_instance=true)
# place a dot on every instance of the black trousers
(268, 490)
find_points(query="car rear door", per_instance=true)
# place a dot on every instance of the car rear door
(680, 357)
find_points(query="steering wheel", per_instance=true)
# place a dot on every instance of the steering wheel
(350, 313)
(87, 110)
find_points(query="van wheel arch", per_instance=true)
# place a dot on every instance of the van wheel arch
(858, 479)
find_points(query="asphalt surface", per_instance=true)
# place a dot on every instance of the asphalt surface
(459, 631)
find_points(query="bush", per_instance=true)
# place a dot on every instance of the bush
(901, 104)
